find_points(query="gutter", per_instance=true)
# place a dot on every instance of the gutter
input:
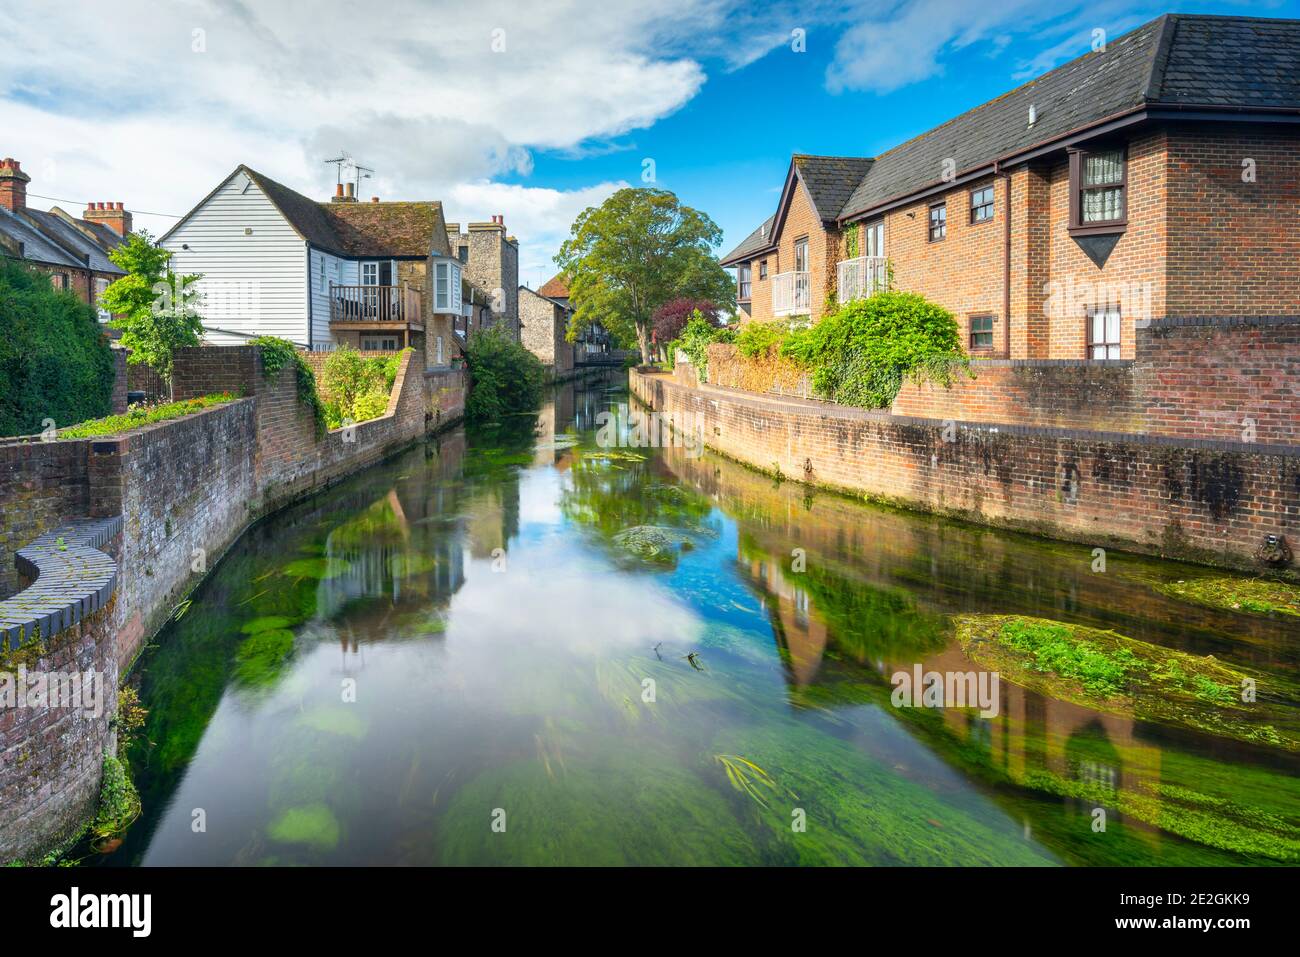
(1001, 172)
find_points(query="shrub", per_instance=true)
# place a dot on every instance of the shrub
(759, 339)
(695, 340)
(152, 306)
(504, 376)
(353, 387)
(861, 353)
(55, 362)
(369, 406)
(670, 319)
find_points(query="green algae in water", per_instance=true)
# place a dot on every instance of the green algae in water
(861, 812)
(340, 719)
(312, 825)
(1260, 596)
(267, 623)
(1121, 675)
(260, 658)
(321, 568)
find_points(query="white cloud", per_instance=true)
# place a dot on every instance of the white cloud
(543, 215)
(156, 103)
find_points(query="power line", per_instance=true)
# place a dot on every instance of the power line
(139, 212)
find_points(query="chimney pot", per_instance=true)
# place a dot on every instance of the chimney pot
(374, 199)
(119, 205)
(338, 189)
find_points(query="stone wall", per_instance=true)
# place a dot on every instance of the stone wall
(1211, 501)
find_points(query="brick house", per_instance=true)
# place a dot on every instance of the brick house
(73, 252)
(489, 258)
(543, 324)
(1153, 178)
(376, 276)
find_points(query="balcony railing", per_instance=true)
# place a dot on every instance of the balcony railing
(399, 304)
(791, 294)
(861, 277)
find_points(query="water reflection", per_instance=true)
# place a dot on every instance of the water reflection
(368, 675)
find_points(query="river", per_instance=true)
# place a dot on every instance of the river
(451, 659)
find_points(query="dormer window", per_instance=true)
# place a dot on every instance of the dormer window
(1098, 191)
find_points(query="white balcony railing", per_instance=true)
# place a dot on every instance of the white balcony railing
(861, 277)
(791, 294)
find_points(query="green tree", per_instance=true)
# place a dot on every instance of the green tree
(152, 306)
(636, 251)
(504, 376)
(55, 361)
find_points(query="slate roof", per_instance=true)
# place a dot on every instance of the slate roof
(1176, 59)
(1231, 61)
(36, 247)
(760, 238)
(831, 180)
(54, 225)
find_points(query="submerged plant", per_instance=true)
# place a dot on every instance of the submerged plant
(748, 778)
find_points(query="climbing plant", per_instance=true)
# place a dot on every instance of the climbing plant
(278, 353)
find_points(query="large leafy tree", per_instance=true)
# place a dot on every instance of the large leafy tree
(636, 251)
(152, 306)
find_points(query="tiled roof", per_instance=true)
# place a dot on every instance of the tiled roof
(830, 180)
(760, 238)
(394, 229)
(360, 229)
(1184, 60)
(555, 287)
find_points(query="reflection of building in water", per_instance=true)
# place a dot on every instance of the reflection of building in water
(800, 636)
(404, 547)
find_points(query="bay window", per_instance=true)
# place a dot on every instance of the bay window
(446, 286)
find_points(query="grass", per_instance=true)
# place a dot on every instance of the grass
(144, 415)
(1261, 596)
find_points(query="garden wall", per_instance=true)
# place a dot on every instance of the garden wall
(1234, 379)
(1203, 500)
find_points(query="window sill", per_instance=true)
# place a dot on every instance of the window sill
(1100, 229)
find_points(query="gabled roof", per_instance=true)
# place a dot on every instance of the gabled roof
(555, 287)
(356, 229)
(830, 180)
(757, 241)
(1178, 60)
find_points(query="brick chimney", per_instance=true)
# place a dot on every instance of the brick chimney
(13, 185)
(111, 215)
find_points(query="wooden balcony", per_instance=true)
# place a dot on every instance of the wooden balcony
(365, 308)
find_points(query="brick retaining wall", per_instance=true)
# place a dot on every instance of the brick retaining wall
(185, 490)
(1230, 378)
(1204, 500)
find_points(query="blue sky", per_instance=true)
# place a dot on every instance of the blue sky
(531, 110)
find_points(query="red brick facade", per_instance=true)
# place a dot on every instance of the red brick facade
(1212, 212)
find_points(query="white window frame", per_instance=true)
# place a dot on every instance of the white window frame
(446, 286)
(373, 278)
(101, 286)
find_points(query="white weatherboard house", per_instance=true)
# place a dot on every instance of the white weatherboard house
(373, 275)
